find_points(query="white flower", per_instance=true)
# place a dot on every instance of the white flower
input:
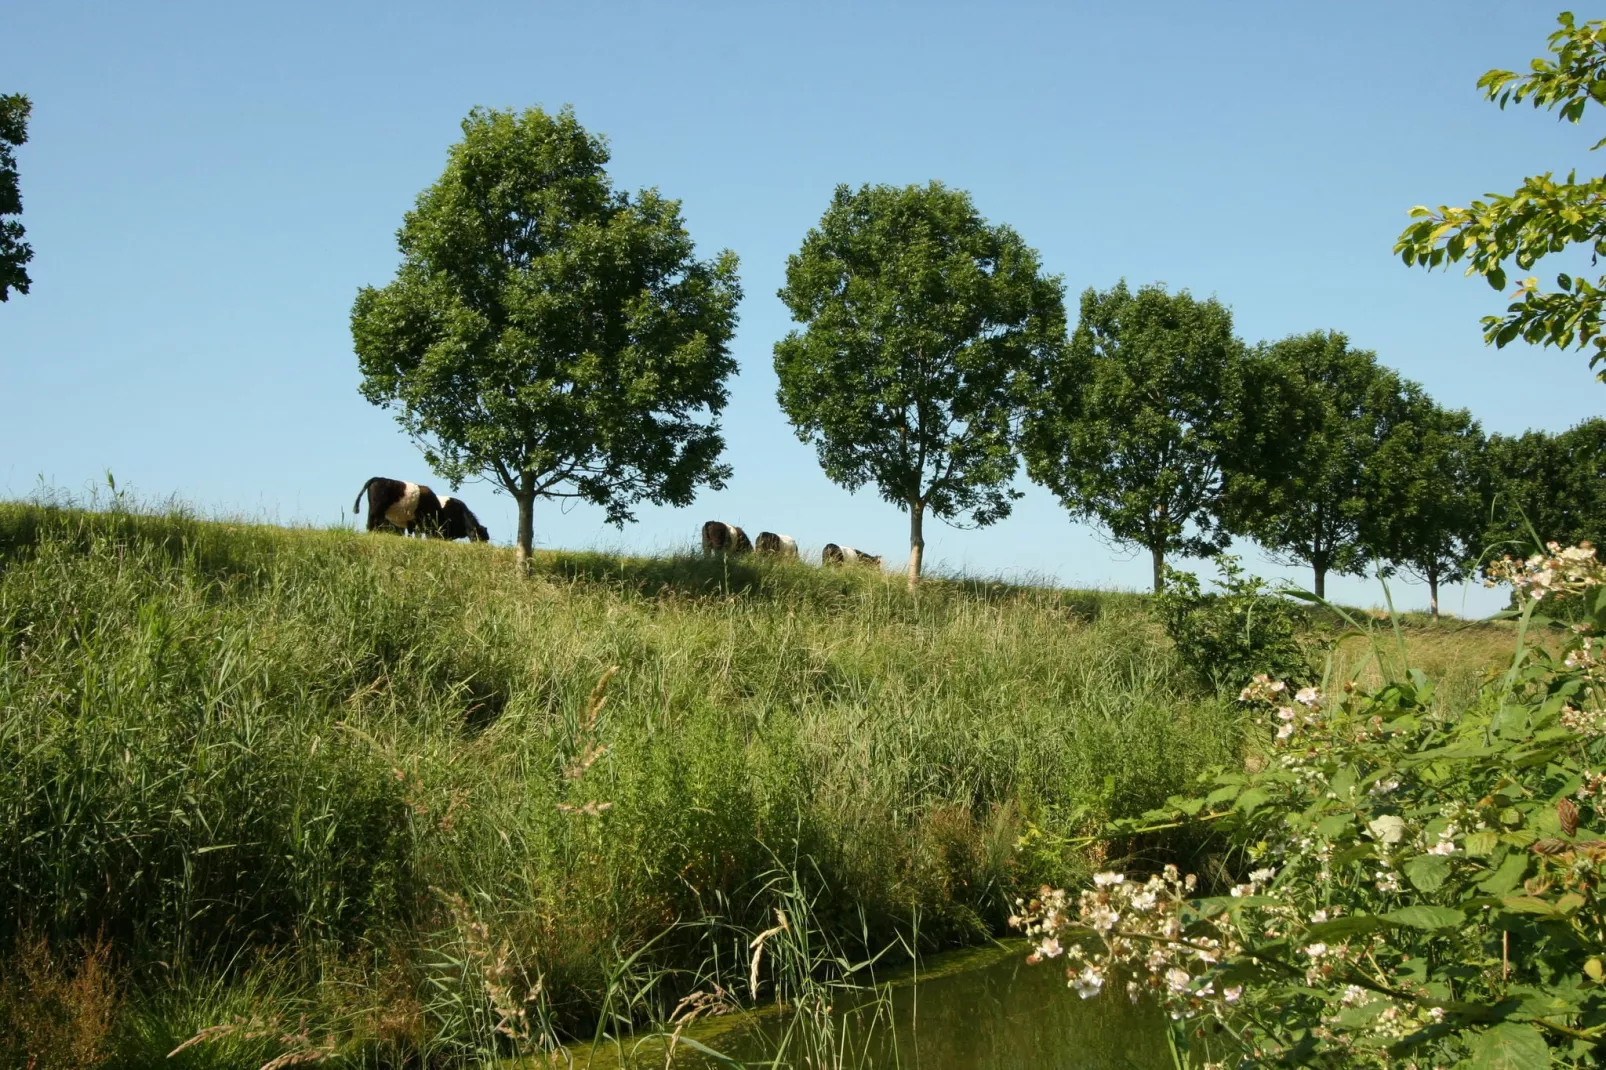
(1104, 880)
(1088, 982)
(1443, 847)
(1103, 919)
(1176, 979)
(1284, 731)
(1050, 948)
(1261, 876)
(1231, 995)
(1316, 950)
(1308, 696)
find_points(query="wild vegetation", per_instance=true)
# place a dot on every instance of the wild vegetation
(310, 791)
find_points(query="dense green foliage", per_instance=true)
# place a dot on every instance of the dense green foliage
(14, 252)
(1226, 636)
(1546, 485)
(359, 778)
(1542, 216)
(1314, 494)
(549, 333)
(1134, 427)
(1412, 887)
(1430, 501)
(923, 327)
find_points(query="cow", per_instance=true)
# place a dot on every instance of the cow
(457, 521)
(844, 555)
(722, 538)
(414, 508)
(781, 545)
(393, 503)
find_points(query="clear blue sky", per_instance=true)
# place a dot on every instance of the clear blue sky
(207, 185)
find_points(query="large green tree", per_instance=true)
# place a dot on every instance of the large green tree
(14, 252)
(1541, 217)
(1312, 497)
(924, 326)
(1134, 427)
(1549, 485)
(1427, 482)
(548, 332)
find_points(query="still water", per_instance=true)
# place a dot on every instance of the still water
(976, 1010)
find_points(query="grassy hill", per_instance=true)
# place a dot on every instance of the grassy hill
(365, 795)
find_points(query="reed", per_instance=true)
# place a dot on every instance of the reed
(362, 797)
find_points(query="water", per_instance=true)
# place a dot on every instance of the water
(977, 1010)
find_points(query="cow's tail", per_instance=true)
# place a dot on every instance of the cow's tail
(356, 506)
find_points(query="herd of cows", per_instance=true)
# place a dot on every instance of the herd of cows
(397, 505)
(722, 538)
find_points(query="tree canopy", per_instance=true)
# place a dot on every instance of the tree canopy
(923, 328)
(1135, 422)
(1428, 481)
(14, 252)
(1541, 217)
(1552, 486)
(549, 333)
(1313, 497)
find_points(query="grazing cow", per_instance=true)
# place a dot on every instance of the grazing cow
(847, 555)
(722, 538)
(396, 504)
(457, 521)
(780, 545)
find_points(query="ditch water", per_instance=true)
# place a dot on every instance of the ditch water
(970, 1010)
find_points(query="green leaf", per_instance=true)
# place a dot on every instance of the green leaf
(1428, 872)
(1508, 876)
(1251, 799)
(1349, 925)
(1481, 842)
(1528, 904)
(1426, 917)
(1510, 1046)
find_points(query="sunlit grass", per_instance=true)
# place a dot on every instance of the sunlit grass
(345, 785)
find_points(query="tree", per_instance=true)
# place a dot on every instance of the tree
(924, 326)
(14, 252)
(1427, 479)
(1134, 426)
(1549, 485)
(1543, 216)
(1315, 501)
(549, 333)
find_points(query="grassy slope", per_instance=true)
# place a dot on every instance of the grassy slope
(263, 765)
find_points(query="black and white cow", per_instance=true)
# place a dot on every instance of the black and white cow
(457, 521)
(395, 503)
(722, 538)
(847, 555)
(781, 545)
(414, 508)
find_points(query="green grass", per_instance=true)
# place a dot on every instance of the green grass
(284, 777)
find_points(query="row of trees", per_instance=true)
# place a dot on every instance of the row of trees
(560, 338)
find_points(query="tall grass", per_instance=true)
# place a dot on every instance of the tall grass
(324, 790)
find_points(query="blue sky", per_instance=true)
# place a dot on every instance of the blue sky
(207, 185)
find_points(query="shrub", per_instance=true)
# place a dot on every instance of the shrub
(1420, 889)
(1225, 638)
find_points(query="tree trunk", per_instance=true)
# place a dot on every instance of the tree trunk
(917, 540)
(526, 499)
(1433, 594)
(1158, 554)
(1318, 564)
